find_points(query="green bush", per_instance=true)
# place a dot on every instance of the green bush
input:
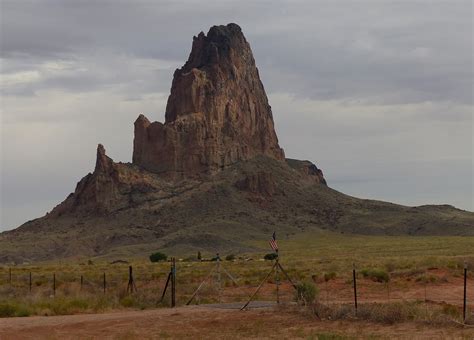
(7, 310)
(157, 257)
(306, 292)
(270, 256)
(230, 257)
(127, 301)
(376, 275)
(329, 276)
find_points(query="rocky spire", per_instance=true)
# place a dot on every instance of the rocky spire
(217, 113)
(103, 163)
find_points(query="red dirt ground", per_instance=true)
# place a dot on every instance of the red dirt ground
(206, 323)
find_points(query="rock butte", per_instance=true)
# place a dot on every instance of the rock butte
(217, 113)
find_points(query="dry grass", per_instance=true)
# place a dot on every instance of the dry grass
(407, 264)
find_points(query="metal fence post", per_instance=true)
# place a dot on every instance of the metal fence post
(355, 286)
(464, 309)
(173, 282)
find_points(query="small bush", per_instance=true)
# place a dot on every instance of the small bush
(377, 275)
(427, 278)
(451, 310)
(306, 292)
(157, 257)
(270, 256)
(330, 276)
(127, 301)
(7, 310)
(230, 257)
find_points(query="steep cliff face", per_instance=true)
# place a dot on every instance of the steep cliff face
(217, 113)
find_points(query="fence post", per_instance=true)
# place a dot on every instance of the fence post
(173, 282)
(464, 309)
(355, 286)
(82, 282)
(105, 283)
(131, 287)
(54, 284)
(10, 276)
(277, 278)
(388, 289)
(30, 282)
(218, 265)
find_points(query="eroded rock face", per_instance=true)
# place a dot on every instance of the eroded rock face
(310, 171)
(261, 183)
(217, 113)
(108, 188)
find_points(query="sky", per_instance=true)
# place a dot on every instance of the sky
(378, 94)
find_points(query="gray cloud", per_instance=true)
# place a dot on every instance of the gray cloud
(360, 87)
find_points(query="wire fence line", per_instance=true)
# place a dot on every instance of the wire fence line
(429, 286)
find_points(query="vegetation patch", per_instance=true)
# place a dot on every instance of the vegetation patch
(306, 292)
(377, 275)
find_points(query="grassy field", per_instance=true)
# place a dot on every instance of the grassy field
(390, 269)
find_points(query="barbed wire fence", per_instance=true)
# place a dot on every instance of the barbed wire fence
(357, 287)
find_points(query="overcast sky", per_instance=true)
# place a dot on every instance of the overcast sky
(377, 94)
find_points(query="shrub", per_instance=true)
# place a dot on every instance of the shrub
(230, 257)
(157, 257)
(7, 310)
(329, 276)
(306, 292)
(270, 256)
(127, 301)
(376, 275)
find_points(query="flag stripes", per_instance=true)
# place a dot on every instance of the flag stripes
(273, 242)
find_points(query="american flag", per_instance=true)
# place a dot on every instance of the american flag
(273, 242)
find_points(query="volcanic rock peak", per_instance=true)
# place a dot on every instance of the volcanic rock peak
(217, 112)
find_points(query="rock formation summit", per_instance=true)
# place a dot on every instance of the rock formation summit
(211, 178)
(217, 113)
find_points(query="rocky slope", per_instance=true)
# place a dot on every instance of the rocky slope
(210, 178)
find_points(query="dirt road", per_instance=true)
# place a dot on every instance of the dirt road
(211, 323)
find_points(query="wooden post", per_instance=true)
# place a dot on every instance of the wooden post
(105, 284)
(10, 276)
(82, 282)
(131, 287)
(30, 282)
(200, 286)
(54, 284)
(173, 282)
(277, 279)
(354, 278)
(166, 287)
(218, 268)
(388, 291)
(464, 309)
(327, 292)
(258, 288)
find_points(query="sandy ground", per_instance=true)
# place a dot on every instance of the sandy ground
(212, 323)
